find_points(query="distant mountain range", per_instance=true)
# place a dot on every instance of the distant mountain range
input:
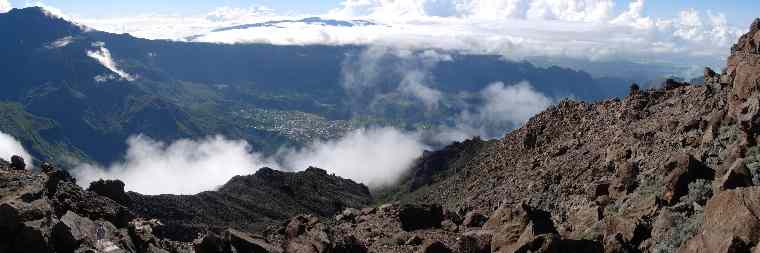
(280, 23)
(79, 93)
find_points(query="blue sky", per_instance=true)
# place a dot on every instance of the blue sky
(738, 12)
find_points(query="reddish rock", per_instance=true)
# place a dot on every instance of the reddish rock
(730, 221)
(737, 176)
(474, 219)
(434, 247)
(683, 169)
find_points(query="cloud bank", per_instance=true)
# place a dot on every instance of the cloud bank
(182, 167)
(9, 146)
(594, 30)
(375, 156)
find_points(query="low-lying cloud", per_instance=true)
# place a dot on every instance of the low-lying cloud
(103, 56)
(502, 107)
(182, 167)
(375, 156)
(381, 71)
(9, 147)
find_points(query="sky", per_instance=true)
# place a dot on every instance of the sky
(741, 11)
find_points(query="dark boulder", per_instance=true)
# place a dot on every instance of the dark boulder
(515, 226)
(634, 90)
(414, 217)
(671, 84)
(683, 169)
(72, 231)
(17, 163)
(475, 241)
(434, 247)
(211, 243)
(113, 189)
(737, 176)
(474, 219)
(244, 242)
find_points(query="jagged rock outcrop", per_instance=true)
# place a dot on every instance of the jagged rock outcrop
(48, 212)
(251, 203)
(113, 189)
(17, 163)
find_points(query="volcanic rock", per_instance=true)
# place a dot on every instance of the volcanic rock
(17, 163)
(434, 247)
(684, 169)
(737, 176)
(414, 217)
(113, 189)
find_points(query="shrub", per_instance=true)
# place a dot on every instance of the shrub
(684, 228)
(699, 192)
(753, 163)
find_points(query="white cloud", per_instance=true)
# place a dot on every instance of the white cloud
(567, 10)
(502, 108)
(49, 10)
(231, 14)
(103, 56)
(178, 27)
(182, 167)
(9, 146)
(381, 71)
(375, 156)
(512, 104)
(580, 29)
(5, 6)
(60, 43)
(413, 85)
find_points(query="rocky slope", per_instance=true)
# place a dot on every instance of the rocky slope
(47, 211)
(670, 170)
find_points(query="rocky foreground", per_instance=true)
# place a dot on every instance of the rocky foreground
(670, 170)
